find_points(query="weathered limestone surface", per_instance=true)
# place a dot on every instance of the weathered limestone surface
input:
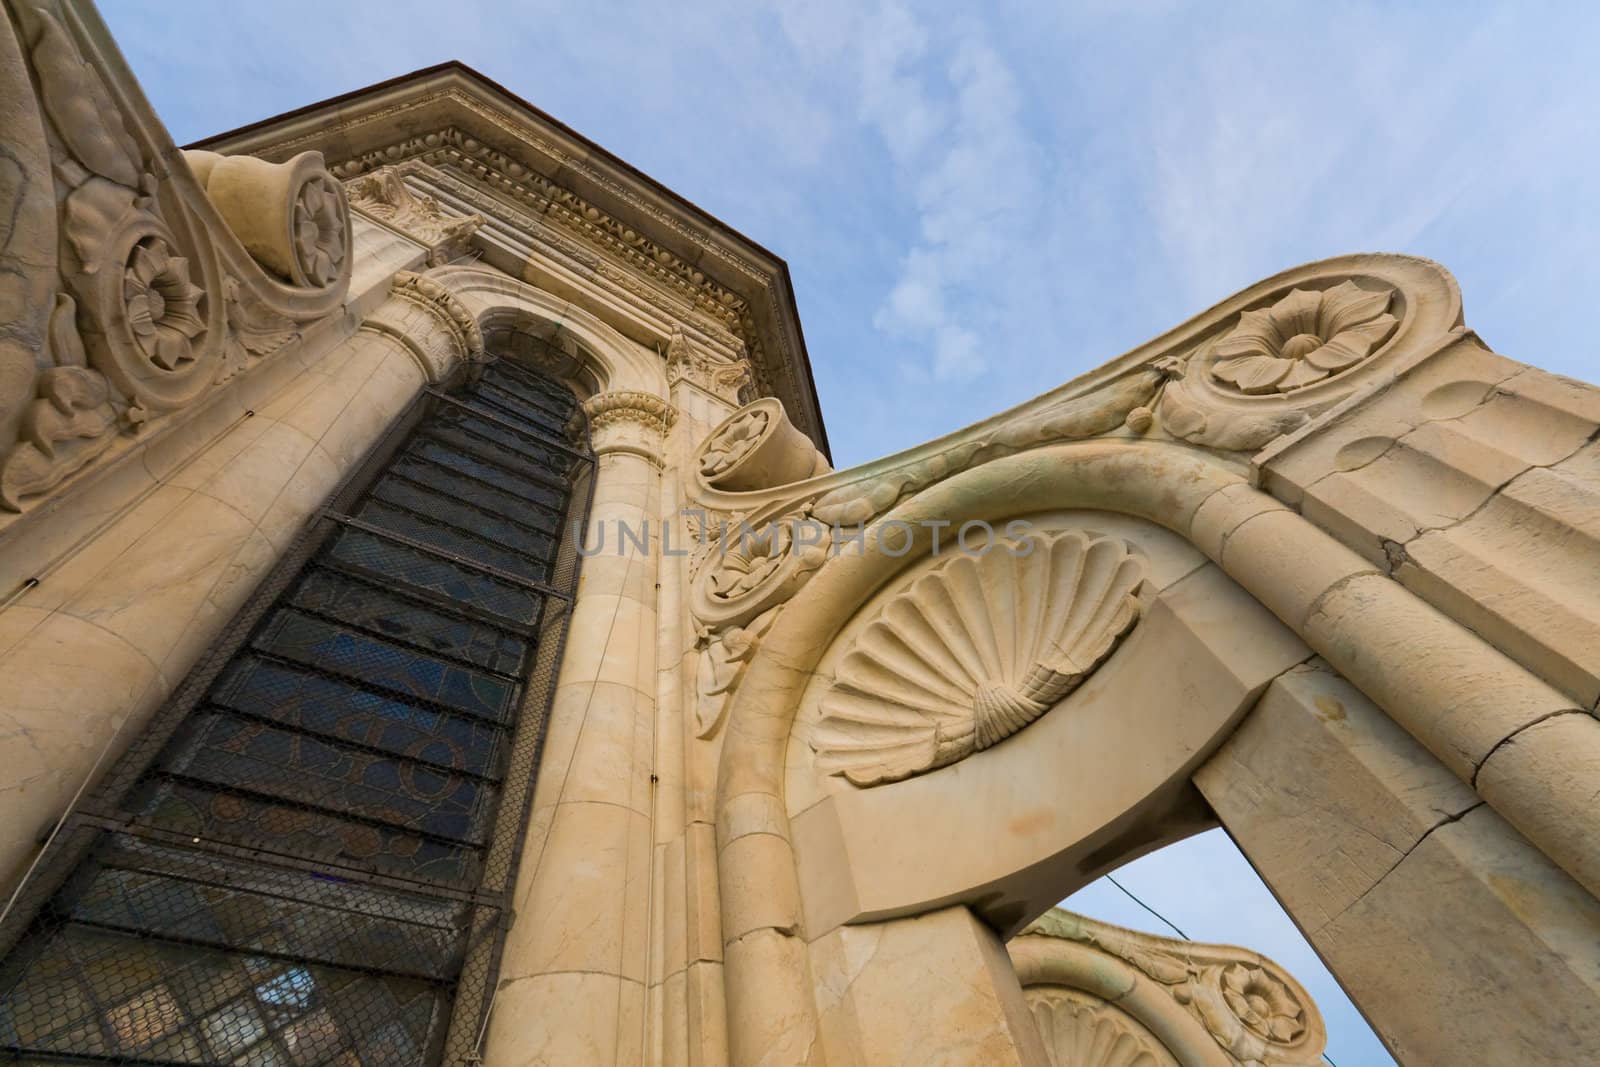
(1315, 565)
(1361, 834)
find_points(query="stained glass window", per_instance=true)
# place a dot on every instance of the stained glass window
(306, 859)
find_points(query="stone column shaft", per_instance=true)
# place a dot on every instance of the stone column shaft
(572, 981)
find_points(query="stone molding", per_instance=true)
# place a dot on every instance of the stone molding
(1199, 1004)
(437, 298)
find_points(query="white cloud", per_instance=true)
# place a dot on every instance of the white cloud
(947, 110)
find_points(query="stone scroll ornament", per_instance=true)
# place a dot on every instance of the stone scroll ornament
(973, 651)
(125, 296)
(1207, 999)
(757, 448)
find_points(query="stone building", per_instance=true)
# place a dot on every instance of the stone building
(325, 739)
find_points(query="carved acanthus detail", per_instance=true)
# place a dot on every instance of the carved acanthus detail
(1101, 411)
(384, 195)
(112, 262)
(626, 406)
(1220, 996)
(723, 658)
(69, 424)
(973, 651)
(685, 362)
(627, 421)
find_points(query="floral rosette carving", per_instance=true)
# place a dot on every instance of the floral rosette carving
(319, 231)
(1268, 361)
(162, 304)
(1303, 338)
(733, 442)
(292, 217)
(757, 564)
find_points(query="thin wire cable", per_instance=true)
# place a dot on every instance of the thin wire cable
(1174, 926)
(1148, 908)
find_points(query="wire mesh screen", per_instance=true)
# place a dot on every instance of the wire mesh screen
(305, 859)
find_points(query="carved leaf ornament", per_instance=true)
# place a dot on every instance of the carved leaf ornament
(973, 651)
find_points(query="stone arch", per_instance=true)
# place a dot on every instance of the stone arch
(604, 360)
(1323, 594)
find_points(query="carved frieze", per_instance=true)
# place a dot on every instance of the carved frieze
(973, 651)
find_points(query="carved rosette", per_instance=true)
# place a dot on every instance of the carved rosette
(1289, 349)
(1158, 996)
(973, 651)
(757, 448)
(628, 421)
(1303, 338)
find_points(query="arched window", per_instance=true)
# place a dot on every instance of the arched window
(307, 856)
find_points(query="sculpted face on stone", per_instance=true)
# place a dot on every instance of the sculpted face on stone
(975, 650)
(1303, 338)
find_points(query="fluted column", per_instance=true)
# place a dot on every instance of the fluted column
(572, 982)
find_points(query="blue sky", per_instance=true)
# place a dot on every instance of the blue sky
(979, 202)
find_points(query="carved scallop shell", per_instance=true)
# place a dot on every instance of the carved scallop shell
(1083, 1031)
(973, 651)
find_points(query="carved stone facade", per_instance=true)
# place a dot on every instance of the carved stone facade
(818, 751)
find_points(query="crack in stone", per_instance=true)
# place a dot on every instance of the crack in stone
(1513, 735)
(1446, 821)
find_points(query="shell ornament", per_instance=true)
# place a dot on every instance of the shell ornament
(973, 651)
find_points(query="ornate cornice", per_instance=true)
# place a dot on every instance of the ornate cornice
(480, 133)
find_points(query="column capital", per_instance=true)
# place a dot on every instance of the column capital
(628, 421)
